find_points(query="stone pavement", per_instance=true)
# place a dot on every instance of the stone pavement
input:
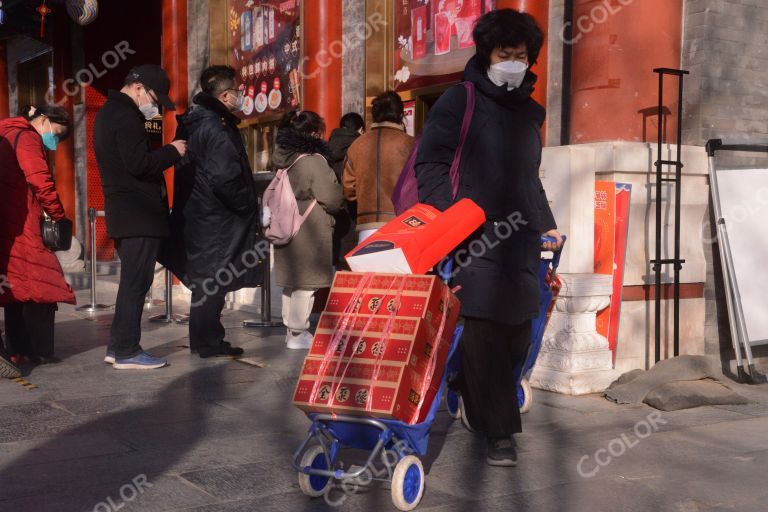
(217, 436)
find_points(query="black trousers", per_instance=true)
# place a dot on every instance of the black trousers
(205, 328)
(137, 270)
(29, 329)
(489, 353)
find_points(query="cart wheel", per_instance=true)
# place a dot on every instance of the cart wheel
(408, 483)
(452, 401)
(314, 486)
(524, 396)
(463, 416)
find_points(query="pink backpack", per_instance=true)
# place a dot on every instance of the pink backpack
(281, 217)
(406, 191)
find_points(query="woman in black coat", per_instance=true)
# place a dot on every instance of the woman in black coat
(499, 170)
(215, 220)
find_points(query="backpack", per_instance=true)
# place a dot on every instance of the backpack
(406, 191)
(280, 217)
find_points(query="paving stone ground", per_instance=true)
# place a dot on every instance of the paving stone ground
(218, 436)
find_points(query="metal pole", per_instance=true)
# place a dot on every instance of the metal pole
(167, 317)
(266, 297)
(678, 192)
(93, 306)
(657, 264)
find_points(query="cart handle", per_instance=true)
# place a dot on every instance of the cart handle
(555, 254)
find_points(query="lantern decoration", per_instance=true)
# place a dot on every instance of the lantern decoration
(44, 11)
(83, 12)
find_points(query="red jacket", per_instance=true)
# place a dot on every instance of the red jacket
(29, 272)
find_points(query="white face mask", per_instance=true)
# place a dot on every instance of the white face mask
(239, 102)
(510, 72)
(150, 110)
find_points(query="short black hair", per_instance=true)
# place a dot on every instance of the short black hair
(215, 80)
(304, 122)
(54, 114)
(504, 28)
(388, 107)
(352, 121)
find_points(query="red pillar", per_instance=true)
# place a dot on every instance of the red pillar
(615, 48)
(174, 55)
(65, 152)
(539, 9)
(5, 109)
(322, 59)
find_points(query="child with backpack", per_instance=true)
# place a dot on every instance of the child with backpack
(298, 218)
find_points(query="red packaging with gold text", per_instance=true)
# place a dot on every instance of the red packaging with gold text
(375, 359)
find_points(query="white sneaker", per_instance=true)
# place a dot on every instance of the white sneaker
(301, 341)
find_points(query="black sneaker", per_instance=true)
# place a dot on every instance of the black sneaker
(501, 452)
(8, 370)
(225, 349)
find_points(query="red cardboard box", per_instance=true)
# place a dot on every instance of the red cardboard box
(410, 342)
(395, 394)
(421, 296)
(403, 343)
(417, 240)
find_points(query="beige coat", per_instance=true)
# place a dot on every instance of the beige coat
(307, 261)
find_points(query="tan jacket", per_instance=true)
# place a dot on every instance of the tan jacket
(373, 166)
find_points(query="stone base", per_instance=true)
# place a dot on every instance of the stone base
(574, 358)
(595, 381)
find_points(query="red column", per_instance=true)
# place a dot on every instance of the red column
(615, 48)
(65, 152)
(539, 9)
(174, 56)
(5, 110)
(323, 46)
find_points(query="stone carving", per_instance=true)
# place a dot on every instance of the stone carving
(574, 357)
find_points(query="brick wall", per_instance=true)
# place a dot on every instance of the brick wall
(725, 47)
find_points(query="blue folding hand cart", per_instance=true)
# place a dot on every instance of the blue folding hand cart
(394, 448)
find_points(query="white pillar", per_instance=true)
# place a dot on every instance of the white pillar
(575, 359)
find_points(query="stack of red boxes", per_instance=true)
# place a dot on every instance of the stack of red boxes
(374, 358)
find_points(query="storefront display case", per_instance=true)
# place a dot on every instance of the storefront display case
(263, 41)
(423, 51)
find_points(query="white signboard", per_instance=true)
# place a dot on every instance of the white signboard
(744, 205)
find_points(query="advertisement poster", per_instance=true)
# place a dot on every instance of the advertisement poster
(433, 40)
(410, 117)
(265, 50)
(611, 225)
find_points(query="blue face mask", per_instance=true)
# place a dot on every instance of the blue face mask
(50, 141)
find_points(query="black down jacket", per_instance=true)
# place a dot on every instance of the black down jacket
(214, 219)
(499, 170)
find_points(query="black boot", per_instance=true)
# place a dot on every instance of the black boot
(502, 452)
(225, 349)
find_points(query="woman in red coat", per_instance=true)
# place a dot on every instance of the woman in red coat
(31, 279)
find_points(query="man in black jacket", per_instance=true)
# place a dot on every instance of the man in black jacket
(136, 202)
(215, 218)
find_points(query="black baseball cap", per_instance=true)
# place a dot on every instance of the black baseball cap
(154, 78)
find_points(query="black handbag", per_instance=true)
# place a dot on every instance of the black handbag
(57, 234)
